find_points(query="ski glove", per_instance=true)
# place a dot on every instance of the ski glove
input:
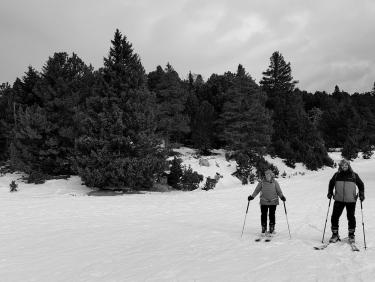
(362, 197)
(250, 198)
(283, 198)
(329, 196)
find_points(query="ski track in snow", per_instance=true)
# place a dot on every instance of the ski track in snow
(54, 232)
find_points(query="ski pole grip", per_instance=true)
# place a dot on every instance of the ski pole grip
(248, 203)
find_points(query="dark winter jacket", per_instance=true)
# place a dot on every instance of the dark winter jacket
(344, 183)
(269, 192)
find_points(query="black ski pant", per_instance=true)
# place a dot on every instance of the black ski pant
(264, 210)
(338, 208)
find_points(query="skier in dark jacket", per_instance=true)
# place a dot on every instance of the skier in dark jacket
(270, 192)
(344, 183)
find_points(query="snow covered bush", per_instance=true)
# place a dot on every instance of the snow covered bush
(183, 178)
(251, 166)
(6, 168)
(190, 179)
(13, 186)
(36, 177)
(262, 165)
(290, 163)
(175, 173)
(210, 183)
(245, 170)
(349, 151)
(367, 155)
(367, 152)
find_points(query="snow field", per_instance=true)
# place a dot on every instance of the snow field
(54, 232)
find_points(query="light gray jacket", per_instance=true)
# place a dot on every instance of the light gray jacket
(269, 192)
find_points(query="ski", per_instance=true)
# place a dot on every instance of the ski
(322, 247)
(260, 237)
(268, 237)
(354, 247)
(325, 245)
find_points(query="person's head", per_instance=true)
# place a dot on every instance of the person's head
(344, 165)
(269, 175)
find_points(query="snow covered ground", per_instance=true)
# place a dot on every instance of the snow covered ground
(55, 232)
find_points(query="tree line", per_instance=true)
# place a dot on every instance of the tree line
(115, 126)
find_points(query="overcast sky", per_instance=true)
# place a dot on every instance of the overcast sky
(328, 42)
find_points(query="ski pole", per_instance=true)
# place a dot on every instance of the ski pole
(243, 227)
(363, 226)
(286, 214)
(326, 219)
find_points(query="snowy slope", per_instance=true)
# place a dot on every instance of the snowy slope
(54, 232)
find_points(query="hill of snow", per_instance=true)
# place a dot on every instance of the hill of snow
(55, 232)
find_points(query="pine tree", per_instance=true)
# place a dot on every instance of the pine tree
(44, 135)
(277, 79)
(330, 127)
(123, 68)
(117, 147)
(154, 78)
(214, 91)
(352, 131)
(202, 124)
(24, 89)
(315, 116)
(190, 82)
(350, 148)
(247, 122)
(201, 113)
(7, 116)
(295, 137)
(29, 143)
(174, 177)
(171, 97)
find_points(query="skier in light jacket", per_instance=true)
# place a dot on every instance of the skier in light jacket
(343, 184)
(270, 192)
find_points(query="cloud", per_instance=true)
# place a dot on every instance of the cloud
(327, 42)
(245, 30)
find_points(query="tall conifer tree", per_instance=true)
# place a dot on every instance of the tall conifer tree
(117, 147)
(295, 136)
(44, 134)
(171, 98)
(202, 123)
(247, 123)
(6, 119)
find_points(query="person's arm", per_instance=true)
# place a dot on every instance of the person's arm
(361, 187)
(278, 189)
(279, 192)
(257, 189)
(331, 184)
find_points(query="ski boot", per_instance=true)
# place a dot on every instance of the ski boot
(351, 237)
(272, 228)
(264, 229)
(335, 237)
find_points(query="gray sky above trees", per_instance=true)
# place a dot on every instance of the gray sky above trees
(328, 42)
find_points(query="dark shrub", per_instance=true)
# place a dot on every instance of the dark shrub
(210, 184)
(13, 186)
(190, 179)
(175, 174)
